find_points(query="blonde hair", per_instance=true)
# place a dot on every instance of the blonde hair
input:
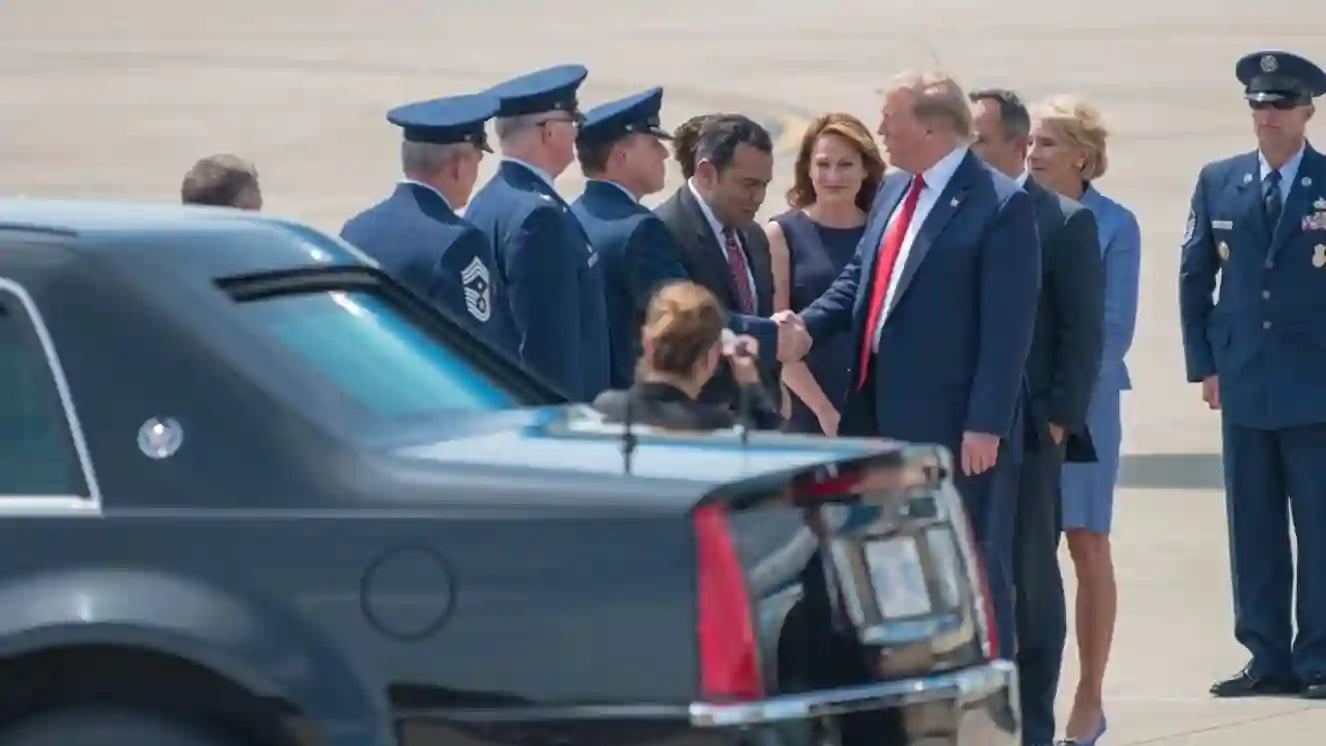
(683, 322)
(1081, 124)
(938, 97)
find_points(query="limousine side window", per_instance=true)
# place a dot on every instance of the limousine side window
(37, 456)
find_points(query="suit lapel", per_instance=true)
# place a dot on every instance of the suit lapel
(709, 251)
(946, 206)
(1299, 201)
(885, 203)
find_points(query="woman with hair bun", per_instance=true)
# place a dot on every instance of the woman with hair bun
(683, 345)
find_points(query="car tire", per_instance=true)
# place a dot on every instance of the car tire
(112, 725)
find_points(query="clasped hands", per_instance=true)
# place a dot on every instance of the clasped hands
(793, 339)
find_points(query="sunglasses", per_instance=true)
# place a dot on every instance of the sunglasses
(1284, 104)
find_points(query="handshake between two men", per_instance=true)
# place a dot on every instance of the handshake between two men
(793, 339)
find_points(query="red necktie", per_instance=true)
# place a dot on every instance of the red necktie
(884, 261)
(736, 264)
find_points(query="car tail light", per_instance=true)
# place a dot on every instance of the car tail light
(729, 661)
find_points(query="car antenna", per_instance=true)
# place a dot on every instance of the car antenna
(628, 435)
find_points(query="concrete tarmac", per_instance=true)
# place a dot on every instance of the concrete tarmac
(117, 101)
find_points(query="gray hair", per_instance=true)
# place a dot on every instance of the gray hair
(427, 158)
(938, 98)
(509, 128)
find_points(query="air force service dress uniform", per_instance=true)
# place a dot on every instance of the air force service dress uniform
(636, 250)
(550, 269)
(416, 236)
(1263, 232)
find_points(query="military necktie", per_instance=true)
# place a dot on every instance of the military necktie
(1271, 202)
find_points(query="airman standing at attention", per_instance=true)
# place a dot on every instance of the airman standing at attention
(415, 234)
(1258, 220)
(550, 269)
(623, 158)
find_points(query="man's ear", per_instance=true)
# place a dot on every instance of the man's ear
(706, 172)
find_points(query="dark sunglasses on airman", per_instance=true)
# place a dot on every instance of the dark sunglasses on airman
(1284, 104)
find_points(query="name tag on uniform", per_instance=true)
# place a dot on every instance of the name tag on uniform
(1222, 225)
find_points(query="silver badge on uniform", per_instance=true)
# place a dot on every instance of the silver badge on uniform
(1319, 256)
(1223, 251)
(1269, 63)
(474, 279)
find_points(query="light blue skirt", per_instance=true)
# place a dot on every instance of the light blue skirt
(1088, 489)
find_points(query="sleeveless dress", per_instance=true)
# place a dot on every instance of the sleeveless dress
(817, 254)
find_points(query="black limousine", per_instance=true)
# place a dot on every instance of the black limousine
(254, 492)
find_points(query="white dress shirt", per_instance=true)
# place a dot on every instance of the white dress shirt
(717, 228)
(936, 179)
(432, 189)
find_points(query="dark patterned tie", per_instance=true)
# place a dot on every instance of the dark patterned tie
(1271, 199)
(736, 264)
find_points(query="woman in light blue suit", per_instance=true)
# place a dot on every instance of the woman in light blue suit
(1067, 154)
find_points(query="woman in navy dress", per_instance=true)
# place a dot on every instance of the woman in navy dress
(838, 169)
(1067, 154)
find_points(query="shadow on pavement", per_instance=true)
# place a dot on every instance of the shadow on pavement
(1172, 471)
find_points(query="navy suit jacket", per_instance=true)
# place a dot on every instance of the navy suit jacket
(418, 240)
(953, 350)
(637, 255)
(1266, 335)
(552, 277)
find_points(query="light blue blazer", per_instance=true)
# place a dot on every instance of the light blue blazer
(1121, 248)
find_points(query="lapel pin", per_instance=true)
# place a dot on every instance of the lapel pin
(955, 202)
(1306, 181)
(1247, 178)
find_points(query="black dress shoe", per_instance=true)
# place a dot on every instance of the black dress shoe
(1314, 687)
(1247, 684)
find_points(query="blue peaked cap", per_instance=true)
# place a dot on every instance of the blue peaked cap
(1279, 76)
(550, 89)
(452, 119)
(638, 112)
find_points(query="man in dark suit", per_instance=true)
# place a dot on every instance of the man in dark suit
(1061, 371)
(1258, 221)
(712, 219)
(941, 301)
(550, 269)
(416, 236)
(623, 158)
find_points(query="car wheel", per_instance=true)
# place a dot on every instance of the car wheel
(112, 725)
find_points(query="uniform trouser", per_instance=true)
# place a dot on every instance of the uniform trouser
(1268, 473)
(1039, 586)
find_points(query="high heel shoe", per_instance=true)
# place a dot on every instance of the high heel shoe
(1100, 731)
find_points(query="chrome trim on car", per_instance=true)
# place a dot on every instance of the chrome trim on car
(963, 686)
